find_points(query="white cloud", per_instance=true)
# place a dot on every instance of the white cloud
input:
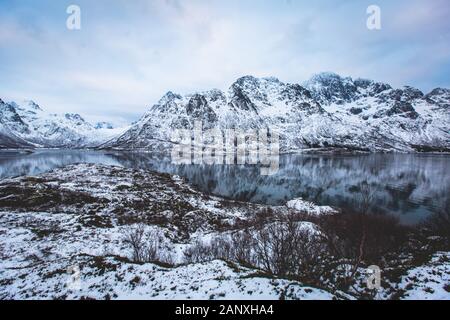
(129, 53)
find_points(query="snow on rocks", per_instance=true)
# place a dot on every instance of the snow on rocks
(308, 207)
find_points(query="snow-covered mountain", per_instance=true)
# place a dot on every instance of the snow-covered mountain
(328, 111)
(10, 122)
(28, 125)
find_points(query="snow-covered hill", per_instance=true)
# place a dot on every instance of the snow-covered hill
(328, 111)
(28, 125)
(94, 224)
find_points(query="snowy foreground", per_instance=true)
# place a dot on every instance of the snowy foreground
(62, 237)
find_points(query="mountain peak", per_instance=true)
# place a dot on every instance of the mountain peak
(329, 87)
(169, 96)
(439, 96)
(214, 95)
(326, 75)
(247, 77)
(33, 105)
(272, 79)
(245, 81)
(363, 83)
(439, 91)
(75, 117)
(412, 93)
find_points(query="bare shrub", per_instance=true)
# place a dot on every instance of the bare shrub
(242, 247)
(145, 245)
(199, 252)
(291, 248)
(134, 237)
(287, 247)
(202, 251)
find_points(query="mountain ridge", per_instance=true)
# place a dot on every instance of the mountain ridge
(28, 126)
(327, 111)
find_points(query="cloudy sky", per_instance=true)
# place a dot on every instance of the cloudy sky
(128, 53)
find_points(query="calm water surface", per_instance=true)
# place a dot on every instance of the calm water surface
(411, 187)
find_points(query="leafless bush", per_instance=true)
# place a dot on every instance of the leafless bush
(135, 238)
(283, 248)
(291, 248)
(329, 252)
(242, 248)
(164, 257)
(201, 251)
(145, 245)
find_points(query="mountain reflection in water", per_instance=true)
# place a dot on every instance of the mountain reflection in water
(410, 186)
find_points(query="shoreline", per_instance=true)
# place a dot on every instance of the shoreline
(309, 151)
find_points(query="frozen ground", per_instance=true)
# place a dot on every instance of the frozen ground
(61, 237)
(430, 281)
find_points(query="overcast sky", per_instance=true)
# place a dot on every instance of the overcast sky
(128, 53)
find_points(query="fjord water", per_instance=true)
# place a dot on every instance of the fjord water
(409, 186)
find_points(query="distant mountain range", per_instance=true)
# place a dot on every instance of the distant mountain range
(29, 126)
(326, 112)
